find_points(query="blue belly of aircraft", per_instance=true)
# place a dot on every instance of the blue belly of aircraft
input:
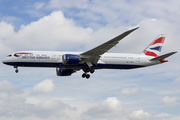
(79, 66)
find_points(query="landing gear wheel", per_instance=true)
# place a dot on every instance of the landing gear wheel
(16, 70)
(91, 70)
(83, 75)
(87, 76)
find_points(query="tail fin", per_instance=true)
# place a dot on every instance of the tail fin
(155, 47)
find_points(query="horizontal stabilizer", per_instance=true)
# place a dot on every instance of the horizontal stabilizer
(163, 56)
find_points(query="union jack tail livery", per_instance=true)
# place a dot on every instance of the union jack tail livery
(155, 47)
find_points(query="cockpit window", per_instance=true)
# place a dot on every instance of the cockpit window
(9, 55)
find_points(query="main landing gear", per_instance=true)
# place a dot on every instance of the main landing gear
(16, 71)
(85, 74)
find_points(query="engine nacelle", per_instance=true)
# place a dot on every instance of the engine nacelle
(70, 59)
(63, 72)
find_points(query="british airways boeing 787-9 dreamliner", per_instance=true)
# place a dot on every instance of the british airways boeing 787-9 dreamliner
(67, 63)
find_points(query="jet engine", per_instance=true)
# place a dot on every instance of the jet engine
(64, 72)
(70, 59)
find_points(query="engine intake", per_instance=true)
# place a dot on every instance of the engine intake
(64, 72)
(70, 59)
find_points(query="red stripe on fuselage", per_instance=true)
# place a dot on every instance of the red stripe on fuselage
(23, 53)
(150, 53)
(159, 40)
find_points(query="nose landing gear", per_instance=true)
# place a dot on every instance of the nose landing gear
(16, 69)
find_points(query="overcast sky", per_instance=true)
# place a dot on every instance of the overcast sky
(79, 25)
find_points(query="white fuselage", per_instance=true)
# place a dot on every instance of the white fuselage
(54, 59)
(67, 63)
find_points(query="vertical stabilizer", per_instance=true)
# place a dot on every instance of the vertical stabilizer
(155, 47)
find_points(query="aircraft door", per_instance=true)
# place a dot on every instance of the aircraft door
(138, 59)
(53, 57)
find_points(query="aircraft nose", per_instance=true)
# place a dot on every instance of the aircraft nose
(4, 61)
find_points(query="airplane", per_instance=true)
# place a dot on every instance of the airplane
(67, 63)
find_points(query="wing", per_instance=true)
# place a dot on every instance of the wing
(92, 56)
